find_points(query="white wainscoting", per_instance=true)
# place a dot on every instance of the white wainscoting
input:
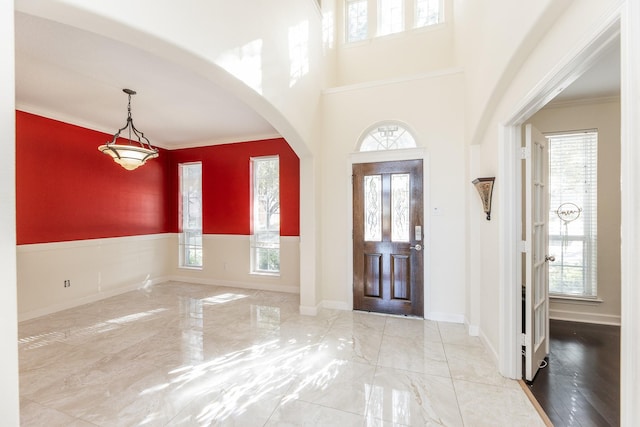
(96, 269)
(101, 268)
(227, 262)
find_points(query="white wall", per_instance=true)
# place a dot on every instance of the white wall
(226, 261)
(432, 106)
(492, 41)
(9, 402)
(402, 54)
(603, 115)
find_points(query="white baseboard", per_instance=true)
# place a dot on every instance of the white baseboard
(576, 316)
(291, 289)
(308, 310)
(490, 349)
(445, 317)
(474, 330)
(335, 305)
(28, 315)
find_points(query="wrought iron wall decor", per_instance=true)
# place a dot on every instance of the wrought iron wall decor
(485, 190)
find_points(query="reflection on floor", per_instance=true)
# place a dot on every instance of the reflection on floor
(581, 384)
(181, 354)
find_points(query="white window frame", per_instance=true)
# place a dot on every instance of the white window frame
(387, 135)
(587, 216)
(347, 21)
(386, 23)
(440, 19)
(264, 239)
(190, 236)
(374, 18)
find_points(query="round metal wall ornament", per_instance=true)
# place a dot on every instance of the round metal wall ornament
(568, 212)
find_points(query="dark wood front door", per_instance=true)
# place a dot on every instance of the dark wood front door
(388, 233)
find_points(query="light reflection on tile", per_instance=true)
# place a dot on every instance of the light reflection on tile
(488, 405)
(411, 398)
(183, 354)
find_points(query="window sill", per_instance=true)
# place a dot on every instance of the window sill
(184, 267)
(576, 300)
(265, 273)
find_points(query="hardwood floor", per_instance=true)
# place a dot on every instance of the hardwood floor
(581, 384)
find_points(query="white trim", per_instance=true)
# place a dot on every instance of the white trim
(445, 317)
(583, 101)
(56, 115)
(490, 348)
(308, 310)
(562, 299)
(242, 237)
(419, 153)
(565, 72)
(335, 305)
(290, 289)
(509, 257)
(474, 330)
(577, 316)
(36, 247)
(386, 156)
(630, 221)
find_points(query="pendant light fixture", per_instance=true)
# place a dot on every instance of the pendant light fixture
(137, 151)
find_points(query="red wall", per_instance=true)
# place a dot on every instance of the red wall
(67, 190)
(226, 185)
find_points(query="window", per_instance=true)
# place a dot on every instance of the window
(190, 239)
(387, 136)
(573, 214)
(390, 16)
(428, 12)
(265, 215)
(356, 20)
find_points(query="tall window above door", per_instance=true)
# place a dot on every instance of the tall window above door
(190, 238)
(375, 18)
(265, 215)
(387, 136)
(573, 205)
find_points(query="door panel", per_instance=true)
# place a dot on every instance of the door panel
(387, 247)
(373, 279)
(537, 272)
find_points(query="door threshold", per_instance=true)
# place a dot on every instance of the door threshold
(543, 415)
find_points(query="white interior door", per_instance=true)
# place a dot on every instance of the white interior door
(537, 237)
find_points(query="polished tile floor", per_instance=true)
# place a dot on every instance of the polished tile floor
(181, 354)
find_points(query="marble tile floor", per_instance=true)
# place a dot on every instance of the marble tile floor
(181, 354)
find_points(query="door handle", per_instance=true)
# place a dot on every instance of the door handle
(416, 247)
(549, 258)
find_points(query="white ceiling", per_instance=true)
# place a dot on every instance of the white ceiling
(600, 81)
(77, 76)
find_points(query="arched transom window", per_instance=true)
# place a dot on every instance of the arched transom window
(387, 136)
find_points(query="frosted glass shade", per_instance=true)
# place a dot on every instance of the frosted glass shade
(128, 156)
